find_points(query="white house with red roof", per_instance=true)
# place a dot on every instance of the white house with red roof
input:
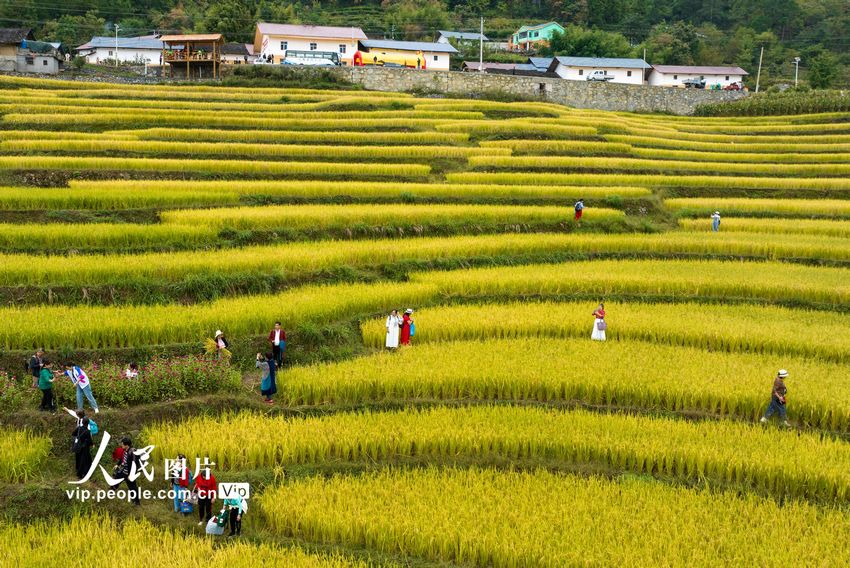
(675, 75)
(272, 41)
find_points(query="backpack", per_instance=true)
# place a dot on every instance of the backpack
(93, 427)
(412, 329)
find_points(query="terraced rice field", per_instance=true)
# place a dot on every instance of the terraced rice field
(136, 221)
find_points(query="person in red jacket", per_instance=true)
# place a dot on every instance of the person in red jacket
(406, 322)
(277, 339)
(206, 486)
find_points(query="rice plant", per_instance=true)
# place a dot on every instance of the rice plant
(754, 225)
(702, 206)
(287, 136)
(56, 236)
(22, 454)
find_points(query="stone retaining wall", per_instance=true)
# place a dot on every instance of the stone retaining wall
(581, 94)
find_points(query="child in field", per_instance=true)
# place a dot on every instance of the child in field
(599, 325)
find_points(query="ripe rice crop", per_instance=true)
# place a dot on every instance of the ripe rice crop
(748, 206)
(511, 519)
(212, 166)
(55, 236)
(732, 328)
(656, 377)
(535, 109)
(189, 119)
(92, 327)
(289, 136)
(794, 147)
(110, 197)
(363, 190)
(559, 147)
(60, 135)
(795, 226)
(751, 158)
(338, 216)
(739, 138)
(22, 454)
(769, 281)
(98, 539)
(706, 181)
(797, 129)
(516, 128)
(722, 452)
(634, 164)
(306, 258)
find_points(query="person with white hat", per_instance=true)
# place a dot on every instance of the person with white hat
(715, 222)
(407, 327)
(777, 399)
(221, 342)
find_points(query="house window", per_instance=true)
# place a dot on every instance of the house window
(727, 77)
(110, 53)
(702, 77)
(342, 48)
(29, 59)
(313, 47)
(436, 58)
(44, 62)
(675, 77)
(581, 71)
(284, 45)
(628, 73)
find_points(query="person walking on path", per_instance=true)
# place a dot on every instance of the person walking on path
(406, 327)
(206, 486)
(45, 383)
(599, 325)
(394, 323)
(180, 477)
(235, 508)
(125, 467)
(715, 222)
(777, 399)
(35, 365)
(268, 384)
(579, 207)
(82, 384)
(277, 339)
(81, 447)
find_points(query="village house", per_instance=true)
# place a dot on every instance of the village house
(272, 41)
(19, 52)
(192, 56)
(619, 70)
(675, 75)
(529, 38)
(413, 54)
(461, 37)
(530, 69)
(137, 50)
(235, 54)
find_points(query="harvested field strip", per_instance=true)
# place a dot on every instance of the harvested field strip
(795, 226)
(22, 454)
(509, 519)
(336, 216)
(702, 181)
(97, 537)
(544, 370)
(91, 327)
(212, 166)
(302, 259)
(727, 280)
(753, 329)
(766, 207)
(721, 452)
(559, 147)
(55, 236)
(796, 147)
(291, 136)
(634, 164)
(232, 149)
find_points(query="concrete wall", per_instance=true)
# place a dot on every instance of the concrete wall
(101, 54)
(581, 94)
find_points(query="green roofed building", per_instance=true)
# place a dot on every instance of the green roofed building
(528, 38)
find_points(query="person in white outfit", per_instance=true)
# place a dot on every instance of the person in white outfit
(393, 329)
(599, 325)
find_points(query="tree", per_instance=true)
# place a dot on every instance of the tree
(416, 19)
(672, 44)
(233, 18)
(580, 42)
(823, 71)
(74, 30)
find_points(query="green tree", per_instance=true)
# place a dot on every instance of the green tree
(823, 71)
(672, 44)
(415, 19)
(233, 18)
(74, 30)
(580, 42)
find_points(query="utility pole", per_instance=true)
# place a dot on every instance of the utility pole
(796, 70)
(481, 48)
(117, 27)
(758, 75)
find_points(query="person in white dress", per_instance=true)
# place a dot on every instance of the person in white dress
(393, 329)
(599, 325)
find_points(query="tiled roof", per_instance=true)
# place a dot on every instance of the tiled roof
(469, 36)
(697, 70)
(407, 45)
(620, 63)
(310, 31)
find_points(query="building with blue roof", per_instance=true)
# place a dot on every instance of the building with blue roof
(139, 50)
